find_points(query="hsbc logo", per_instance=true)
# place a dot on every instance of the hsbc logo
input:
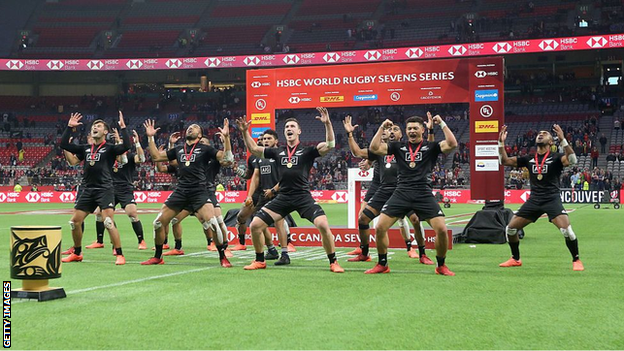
(372, 55)
(362, 173)
(173, 63)
(140, 196)
(548, 45)
(525, 196)
(134, 64)
(256, 84)
(291, 59)
(95, 65)
(294, 100)
(261, 104)
(457, 50)
(55, 64)
(212, 62)
(414, 53)
(501, 48)
(3, 197)
(486, 111)
(14, 64)
(331, 57)
(480, 74)
(33, 197)
(251, 61)
(67, 197)
(597, 42)
(339, 196)
(219, 195)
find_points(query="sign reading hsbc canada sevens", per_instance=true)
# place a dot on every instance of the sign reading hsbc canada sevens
(475, 81)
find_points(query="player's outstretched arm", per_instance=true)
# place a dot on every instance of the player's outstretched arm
(243, 126)
(140, 154)
(504, 159)
(125, 146)
(150, 131)
(355, 148)
(449, 143)
(74, 121)
(376, 146)
(569, 158)
(330, 139)
(226, 155)
(429, 124)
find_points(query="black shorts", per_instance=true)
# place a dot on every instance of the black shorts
(91, 198)
(382, 195)
(78, 192)
(187, 199)
(213, 198)
(371, 191)
(262, 201)
(124, 196)
(284, 204)
(403, 202)
(538, 205)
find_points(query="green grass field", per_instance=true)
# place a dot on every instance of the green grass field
(193, 303)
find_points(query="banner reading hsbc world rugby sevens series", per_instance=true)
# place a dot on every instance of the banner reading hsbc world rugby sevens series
(476, 81)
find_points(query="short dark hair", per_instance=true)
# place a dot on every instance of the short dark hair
(101, 121)
(292, 119)
(415, 119)
(271, 132)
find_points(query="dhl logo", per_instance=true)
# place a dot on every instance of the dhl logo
(260, 118)
(486, 127)
(332, 98)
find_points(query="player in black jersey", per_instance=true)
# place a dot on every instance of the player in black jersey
(73, 160)
(266, 179)
(193, 159)
(388, 169)
(97, 183)
(416, 158)
(294, 162)
(545, 170)
(247, 209)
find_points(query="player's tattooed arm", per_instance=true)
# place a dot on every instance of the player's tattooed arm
(330, 139)
(355, 148)
(150, 131)
(504, 159)
(449, 143)
(376, 146)
(243, 126)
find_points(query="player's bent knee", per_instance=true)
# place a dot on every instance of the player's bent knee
(134, 219)
(98, 218)
(108, 223)
(511, 231)
(369, 214)
(157, 224)
(174, 221)
(72, 225)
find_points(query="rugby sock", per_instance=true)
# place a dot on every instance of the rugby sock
(515, 250)
(158, 252)
(99, 231)
(178, 244)
(77, 250)
(364, 248)
(241, 239)
(288, 241)
(440, 260)
(118, 251)
(284, 250)
(383, 259)
(138, 230)
(260, 257)
(408, 244)
(221, 250)
(332, 258)
(573, 247)
(421, 250)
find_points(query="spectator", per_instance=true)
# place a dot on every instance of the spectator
(616, 124)
(17, 188)
(594, 157)
(603, 143)
(34, 188)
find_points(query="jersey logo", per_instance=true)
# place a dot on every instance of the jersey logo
(299, 152)
(282, 153)
(183, 158)
(408, 157)
(93, 157)
(265, 170)
(103, 150)
(294, 160)
(544, 169)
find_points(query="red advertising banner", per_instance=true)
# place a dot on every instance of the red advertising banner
(509, 47)
(343, 237)
(476, 81)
